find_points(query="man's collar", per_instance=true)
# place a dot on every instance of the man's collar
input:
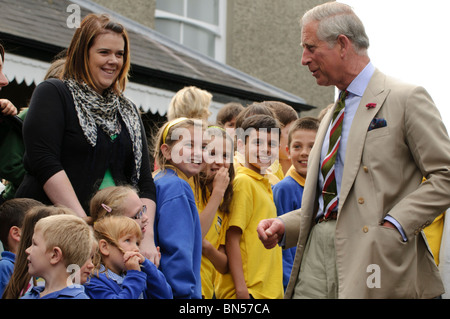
(359, 84)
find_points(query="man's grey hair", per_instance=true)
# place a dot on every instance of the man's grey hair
(335, 19)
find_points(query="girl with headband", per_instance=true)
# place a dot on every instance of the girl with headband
(179, 155)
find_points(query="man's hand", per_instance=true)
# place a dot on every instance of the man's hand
(270, 232)
(388, 224)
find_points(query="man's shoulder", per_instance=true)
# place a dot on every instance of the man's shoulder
(394, 84)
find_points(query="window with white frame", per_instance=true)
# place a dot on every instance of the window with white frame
(197, 24)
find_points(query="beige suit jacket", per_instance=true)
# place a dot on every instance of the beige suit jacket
(382, 175)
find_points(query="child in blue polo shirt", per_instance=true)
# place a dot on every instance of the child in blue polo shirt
(53, 251)
(287, 194)
(121, 271)
(179, 154)
(12, 214)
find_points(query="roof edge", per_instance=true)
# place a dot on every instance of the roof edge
(153, 34)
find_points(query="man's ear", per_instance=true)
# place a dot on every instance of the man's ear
(344, 44)
(56, 255)
(103, 247)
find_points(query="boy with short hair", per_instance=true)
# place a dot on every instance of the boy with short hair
(59, 241)
(12, 214)
(274, 172)
(255, 272)
(288, 193)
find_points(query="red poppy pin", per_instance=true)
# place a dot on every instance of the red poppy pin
(371, 105)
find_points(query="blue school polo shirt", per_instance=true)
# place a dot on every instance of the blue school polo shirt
(287, 195)
(70, 292)
(6, 269)
(178, 234)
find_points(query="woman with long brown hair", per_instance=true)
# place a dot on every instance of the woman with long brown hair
(81, 133)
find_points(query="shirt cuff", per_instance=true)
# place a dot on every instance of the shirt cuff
(397, 225)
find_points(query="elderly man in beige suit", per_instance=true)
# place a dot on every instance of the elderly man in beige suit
(368, 243)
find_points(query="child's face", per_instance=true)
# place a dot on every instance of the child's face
(116, 260)
(187, 153)
(230, 126)
(134, 208)
(218, 154)
(86, 269)
(261, 150)
(284, 141)
(129, 243)
(38, 256)
(301, 144)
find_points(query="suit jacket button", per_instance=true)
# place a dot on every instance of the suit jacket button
(365, 169)
(361, 200)
(365, 229)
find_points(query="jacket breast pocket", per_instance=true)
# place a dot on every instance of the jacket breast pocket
(377, 133)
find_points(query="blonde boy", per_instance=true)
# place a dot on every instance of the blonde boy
(254, 272)
(288, 193)
(60, 244)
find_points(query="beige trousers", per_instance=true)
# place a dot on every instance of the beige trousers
(317, 278)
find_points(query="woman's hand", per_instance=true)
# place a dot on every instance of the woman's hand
(7, 108)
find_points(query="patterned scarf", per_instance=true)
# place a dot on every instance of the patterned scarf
(94, 109)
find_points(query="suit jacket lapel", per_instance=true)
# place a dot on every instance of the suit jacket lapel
(310, 195)
(374, 93)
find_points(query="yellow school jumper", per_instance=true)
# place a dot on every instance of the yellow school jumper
(263, 269)
(214, 235)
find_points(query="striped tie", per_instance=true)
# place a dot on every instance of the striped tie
(329, 192)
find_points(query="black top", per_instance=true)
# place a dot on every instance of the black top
(54, 141)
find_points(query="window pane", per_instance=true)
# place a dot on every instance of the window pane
(204, 10)
(199, 40)
(169, 28)
(172, 6)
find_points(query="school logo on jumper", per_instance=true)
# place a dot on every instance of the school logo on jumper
(218, 224)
